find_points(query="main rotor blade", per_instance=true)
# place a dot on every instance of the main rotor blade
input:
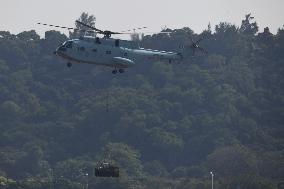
(64, 27)
(106, 32)
(113, 32)
(140, 28)
(56, 26)
(155, 32)
(86, 25)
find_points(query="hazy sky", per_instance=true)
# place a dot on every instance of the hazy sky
(118, 15)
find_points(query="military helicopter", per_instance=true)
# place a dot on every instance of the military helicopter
(115, 53)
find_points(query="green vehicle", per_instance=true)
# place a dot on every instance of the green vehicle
(106, 170)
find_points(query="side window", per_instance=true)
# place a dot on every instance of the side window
(95, 50)
(108, 52)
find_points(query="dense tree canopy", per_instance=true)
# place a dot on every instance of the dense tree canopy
(162, 124)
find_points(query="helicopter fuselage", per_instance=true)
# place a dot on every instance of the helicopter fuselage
(115, 53)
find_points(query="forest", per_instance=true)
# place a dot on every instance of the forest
(164, 125)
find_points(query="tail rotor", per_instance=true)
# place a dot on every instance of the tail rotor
(196, 47)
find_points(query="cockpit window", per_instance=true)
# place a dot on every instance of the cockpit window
(68, 44)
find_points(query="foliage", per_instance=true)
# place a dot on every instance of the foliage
(163, 125)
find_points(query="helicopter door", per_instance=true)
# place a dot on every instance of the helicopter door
(116, 43)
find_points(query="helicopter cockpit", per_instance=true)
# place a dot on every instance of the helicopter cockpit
(68, 44)
(62, 48)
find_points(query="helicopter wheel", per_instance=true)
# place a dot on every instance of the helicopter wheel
(121, 70)
(69, 64)
(114, 71)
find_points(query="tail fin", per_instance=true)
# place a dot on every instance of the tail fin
(194, 47)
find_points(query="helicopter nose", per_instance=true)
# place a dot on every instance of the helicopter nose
(59, 50)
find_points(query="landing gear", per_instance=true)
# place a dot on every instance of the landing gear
(114, 71)
(69, 64)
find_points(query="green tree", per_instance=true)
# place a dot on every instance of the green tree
(28, 35)
(126, 157)
(85, 18)
(232, 161)
(248, 27)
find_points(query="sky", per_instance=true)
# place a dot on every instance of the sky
(118, 15)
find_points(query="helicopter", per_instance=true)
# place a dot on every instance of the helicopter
(115, 53)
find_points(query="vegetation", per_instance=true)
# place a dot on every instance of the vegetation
(164, 125)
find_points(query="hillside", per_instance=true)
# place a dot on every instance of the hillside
(165, 125)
